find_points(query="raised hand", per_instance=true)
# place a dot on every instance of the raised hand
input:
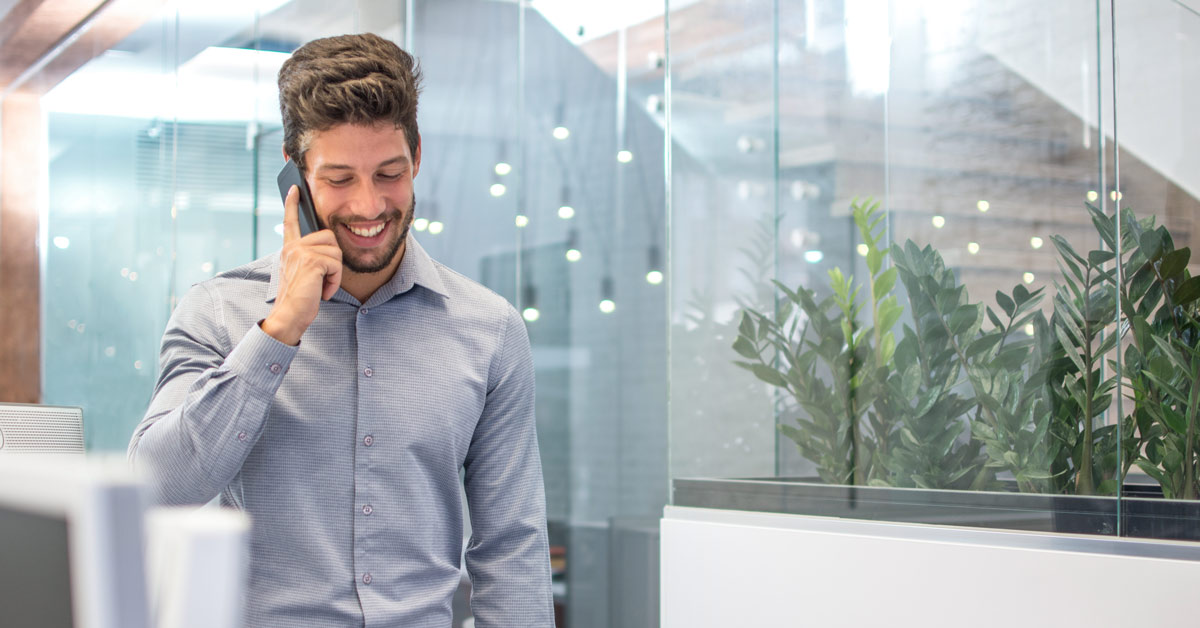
(310, 270)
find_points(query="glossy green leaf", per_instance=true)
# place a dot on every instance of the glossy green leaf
(1187, 292)
(769, 375)
(1174, 262)
(746, 328)
(1097, 258)
(885, 282)
(1006, 303)
(745, 348)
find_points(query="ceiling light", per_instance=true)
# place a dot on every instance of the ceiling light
(498, 189)
(421, 224)
(624, 156)
(983, 206)
(436, 227)
(561, 133)
(973, 248)
(939, 222)
(1036, 242)
(522, 220)
(607, 304)
(503, 168)
(1028, 277)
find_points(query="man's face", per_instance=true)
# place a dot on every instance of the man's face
(361, 178)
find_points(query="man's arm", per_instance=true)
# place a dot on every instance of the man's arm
(212, 397)
(508, 557)
(209, 405)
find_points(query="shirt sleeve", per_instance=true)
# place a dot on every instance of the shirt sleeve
(210, 402)
(508, 557)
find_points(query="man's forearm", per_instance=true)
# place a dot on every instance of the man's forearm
(207, 413)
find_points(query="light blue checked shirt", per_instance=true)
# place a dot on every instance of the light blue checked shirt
(346, 451)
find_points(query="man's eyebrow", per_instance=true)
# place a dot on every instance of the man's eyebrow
(397, 160)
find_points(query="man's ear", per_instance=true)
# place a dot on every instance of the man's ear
(283, 149)
(417, 157)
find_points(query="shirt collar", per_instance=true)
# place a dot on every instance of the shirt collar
(416, 269)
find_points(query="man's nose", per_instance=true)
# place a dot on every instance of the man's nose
(369, 201)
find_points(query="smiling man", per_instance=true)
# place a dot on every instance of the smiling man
(337, 390)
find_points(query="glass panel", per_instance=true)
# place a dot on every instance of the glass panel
(591, 173)
(109, 281)
(931, 185)
(723, 233)
(1156, 45)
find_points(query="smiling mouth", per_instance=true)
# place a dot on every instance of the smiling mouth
(367, 234)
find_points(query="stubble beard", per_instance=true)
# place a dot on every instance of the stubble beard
(367, 264)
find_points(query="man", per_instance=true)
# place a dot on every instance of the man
(335, 390)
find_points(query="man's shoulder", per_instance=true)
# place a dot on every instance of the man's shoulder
(248, 281)
(460, 288)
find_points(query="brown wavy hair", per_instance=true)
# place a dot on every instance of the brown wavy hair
(357, 79)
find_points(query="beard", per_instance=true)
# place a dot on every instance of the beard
(366, 262)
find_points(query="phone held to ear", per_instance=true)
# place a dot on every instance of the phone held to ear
(289, 176)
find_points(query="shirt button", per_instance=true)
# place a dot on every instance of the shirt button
(275, 368)
(369, 440)
(366, 578)
(241, 436)
(367, 510)
(362, 311)
(368, 372)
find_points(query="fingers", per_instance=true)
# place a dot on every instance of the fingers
(291, 215)
(332, 282)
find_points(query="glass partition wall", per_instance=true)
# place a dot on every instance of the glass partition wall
(542, 178)
(900, 289)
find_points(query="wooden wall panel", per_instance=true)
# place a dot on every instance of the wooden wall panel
(22, 188)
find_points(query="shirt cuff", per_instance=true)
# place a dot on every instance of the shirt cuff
(261, 360)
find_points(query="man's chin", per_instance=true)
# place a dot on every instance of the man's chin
(370, 262)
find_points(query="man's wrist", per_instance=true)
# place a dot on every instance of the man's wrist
(282, 333)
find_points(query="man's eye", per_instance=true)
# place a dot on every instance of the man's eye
(390, 177)
(339, 181)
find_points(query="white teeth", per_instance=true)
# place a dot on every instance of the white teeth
(368, 233)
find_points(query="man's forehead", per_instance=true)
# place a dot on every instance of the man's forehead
(358, 144)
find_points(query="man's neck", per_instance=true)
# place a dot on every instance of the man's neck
(362, 286)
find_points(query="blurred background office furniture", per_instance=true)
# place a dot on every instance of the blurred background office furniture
(32, 428)
(79, 548)
(71, 544)
(197, 561)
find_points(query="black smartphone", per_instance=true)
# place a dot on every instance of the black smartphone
(289, 176)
